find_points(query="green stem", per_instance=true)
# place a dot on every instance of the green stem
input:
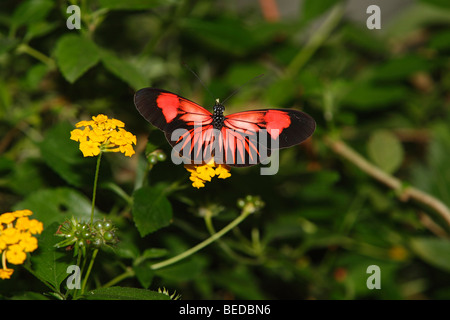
(127, 274)
(25, 48)
(227, 249)
(203, 244)
(94, 254)
(74, 296)
(94, 193)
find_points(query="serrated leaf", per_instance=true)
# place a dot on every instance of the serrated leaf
(385, 150)
(48, 263)
(151, 209)
(123, 293)
(75, 55)
(434, 251)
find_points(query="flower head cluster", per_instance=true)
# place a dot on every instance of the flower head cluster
(16, 231)
(202, 173)
(103, 135)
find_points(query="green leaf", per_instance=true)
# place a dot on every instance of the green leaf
(63, 156)
(124, 70)
(184, 270)
(401, 68)
(434, 251)
(144, 274)
(440, 40)
(151, 209)
(385, 150)
(55, 205)
(123, 293)
(225, 35)
(31, 11)
(368, 96)
(48, 263)
(75, 55)
(152, 253)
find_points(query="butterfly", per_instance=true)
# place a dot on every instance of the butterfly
(240, 139)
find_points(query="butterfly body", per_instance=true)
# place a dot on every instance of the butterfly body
(218, 117)
(240, 139)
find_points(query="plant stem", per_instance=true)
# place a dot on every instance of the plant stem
(25, 48)
(127, 274)
(94, 254)
(405, 193)
(94, 193)
(203, 244)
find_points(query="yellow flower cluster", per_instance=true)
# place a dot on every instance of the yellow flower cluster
(202, 173)
(103, 135)
(16, 238)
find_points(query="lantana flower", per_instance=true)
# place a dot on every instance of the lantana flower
(103, 135)
(16, 231)
(205, 172)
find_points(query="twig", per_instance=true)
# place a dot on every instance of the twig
(432, 226)
(405, 193)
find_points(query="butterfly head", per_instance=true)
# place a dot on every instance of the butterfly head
(218, 117)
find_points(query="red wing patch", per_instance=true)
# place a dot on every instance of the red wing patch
(288, 127)
(165, 110)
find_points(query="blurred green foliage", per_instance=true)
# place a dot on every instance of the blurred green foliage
(385, 92)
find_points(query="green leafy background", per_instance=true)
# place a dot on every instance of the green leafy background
(384, 92)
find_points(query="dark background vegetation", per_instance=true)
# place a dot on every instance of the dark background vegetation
(385, 93)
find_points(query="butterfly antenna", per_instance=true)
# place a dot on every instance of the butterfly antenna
(204, 86)
(240, 87)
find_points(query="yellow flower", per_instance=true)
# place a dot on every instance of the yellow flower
(222, 172)
(90, 148)
(7, 217)
(23, 223)
(6, 273)
(36, 226)
(205, 172)
(16, 238)
(15, 254)
(103, 135)
(28, 243)
(22, 213)
(10, 235)
(79, 135)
